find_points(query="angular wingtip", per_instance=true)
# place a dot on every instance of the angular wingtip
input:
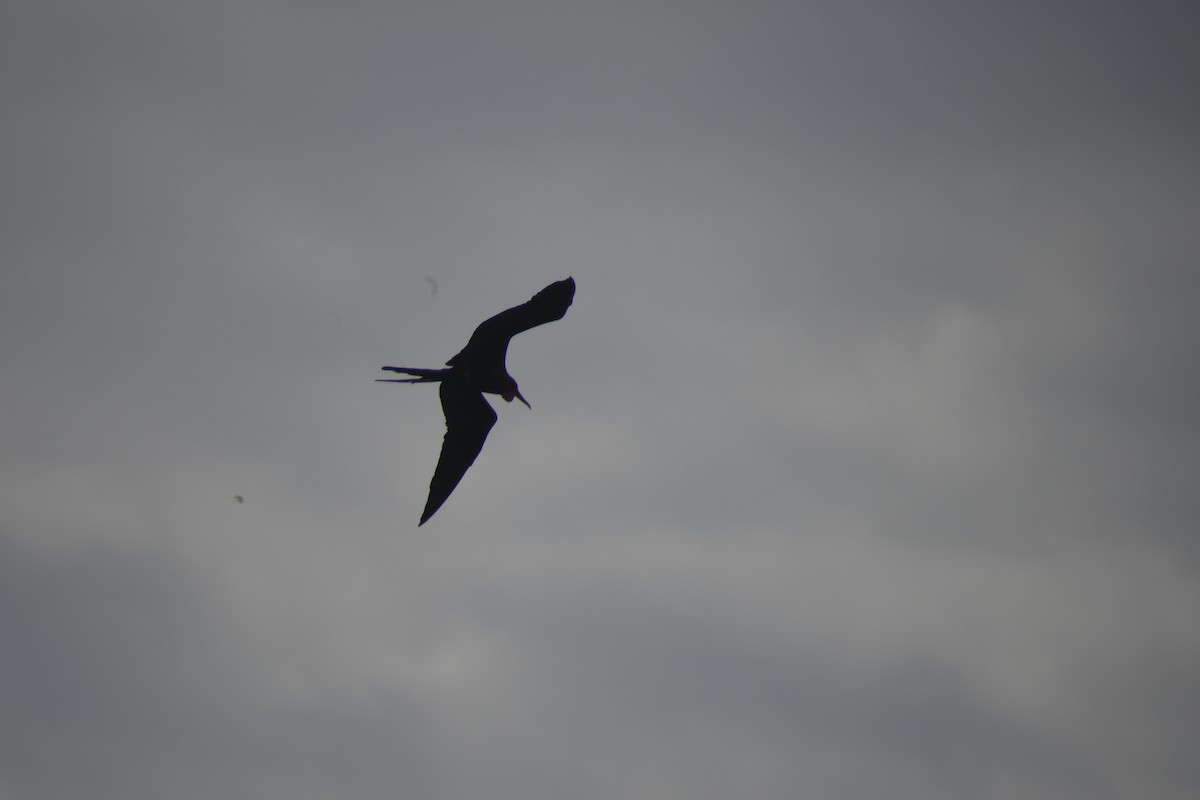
(430, 509)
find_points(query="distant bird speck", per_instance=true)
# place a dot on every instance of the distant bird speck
(479, 368)
(239, 498)
(432, 285)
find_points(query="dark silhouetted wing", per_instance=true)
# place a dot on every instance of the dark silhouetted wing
(489, 342)
(469, 418)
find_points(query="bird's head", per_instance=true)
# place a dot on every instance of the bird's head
(512, 391)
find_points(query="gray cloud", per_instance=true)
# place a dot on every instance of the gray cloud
(860, 465)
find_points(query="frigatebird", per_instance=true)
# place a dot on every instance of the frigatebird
(477, 369)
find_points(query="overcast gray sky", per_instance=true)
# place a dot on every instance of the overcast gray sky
(863, 465)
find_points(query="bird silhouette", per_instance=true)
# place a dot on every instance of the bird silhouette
(479, 368)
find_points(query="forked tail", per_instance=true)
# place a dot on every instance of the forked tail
(423, 375)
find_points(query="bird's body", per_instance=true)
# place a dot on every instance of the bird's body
(477, 369)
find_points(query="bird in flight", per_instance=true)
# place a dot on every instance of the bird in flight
(479, 368)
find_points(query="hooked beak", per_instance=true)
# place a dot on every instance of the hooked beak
(508, 397)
